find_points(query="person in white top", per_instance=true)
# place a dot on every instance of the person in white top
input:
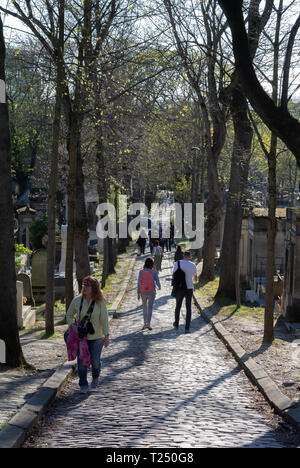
(190, 271)
(158, 255)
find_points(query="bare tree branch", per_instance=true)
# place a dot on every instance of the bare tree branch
(287, 64)
(282, 123)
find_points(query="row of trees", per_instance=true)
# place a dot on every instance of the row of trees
(200, 38)
(127, 89)
(272, 108)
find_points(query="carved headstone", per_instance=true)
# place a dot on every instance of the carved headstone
(27, 287)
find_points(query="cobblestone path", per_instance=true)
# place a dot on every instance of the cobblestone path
(161, 388)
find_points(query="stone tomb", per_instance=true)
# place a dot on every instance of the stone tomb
(291, 292)
(253, 253)
(59, 278)
(260, 227)
(27, 288)
(26, 316)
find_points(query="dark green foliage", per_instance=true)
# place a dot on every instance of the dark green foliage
(38, 229)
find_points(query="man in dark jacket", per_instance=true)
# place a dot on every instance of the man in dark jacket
(190, 271)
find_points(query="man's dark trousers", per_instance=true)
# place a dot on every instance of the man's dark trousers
(180, 295)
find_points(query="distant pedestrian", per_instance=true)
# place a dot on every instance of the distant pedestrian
(141, 243)
(171, 235)
(147, 281)
(158, 255)
(168, 244)
(91, 324)
(151, 240)
(178, 254)
(190, 271)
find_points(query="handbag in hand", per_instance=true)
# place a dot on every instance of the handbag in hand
(85, 326)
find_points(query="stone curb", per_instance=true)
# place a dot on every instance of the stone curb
(19, 426)
(285, 407)
(115, 305)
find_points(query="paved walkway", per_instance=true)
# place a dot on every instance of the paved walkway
(161, 388)
(17, 386)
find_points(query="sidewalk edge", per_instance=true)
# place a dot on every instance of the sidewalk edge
(115, 305)
(285, 407)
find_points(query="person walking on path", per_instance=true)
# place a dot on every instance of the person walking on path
(141, 242)
(90, 303)
(158, 255)
(178, 254)
(190, 270)
(150, 241)
(147, 281)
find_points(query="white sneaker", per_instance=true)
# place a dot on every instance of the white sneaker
(84, 389)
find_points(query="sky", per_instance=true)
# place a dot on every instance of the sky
(12, 26)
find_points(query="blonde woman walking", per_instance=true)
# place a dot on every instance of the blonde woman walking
(90, 310)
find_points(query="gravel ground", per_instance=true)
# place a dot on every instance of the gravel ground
(281, 359)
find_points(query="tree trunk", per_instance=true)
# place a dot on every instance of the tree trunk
(81, 234)
(102, 192)
(74, 125)
(210, 237)
(105, 263)
(201, 189)
(8, 304)
(272, 191)
(71, 208)
(243, 133)
(214, 203)
(49, 315)
(111, 256)
(272, 229)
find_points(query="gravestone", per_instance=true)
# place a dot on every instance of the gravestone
(59, 279)
(19, 285)
(251, 297)
(27, 288)
(39, 274)
(62, 264)
(26, 316)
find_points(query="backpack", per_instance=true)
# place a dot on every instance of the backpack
(178, 281)
(147, 281)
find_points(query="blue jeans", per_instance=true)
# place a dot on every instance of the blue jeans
(95, 348)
